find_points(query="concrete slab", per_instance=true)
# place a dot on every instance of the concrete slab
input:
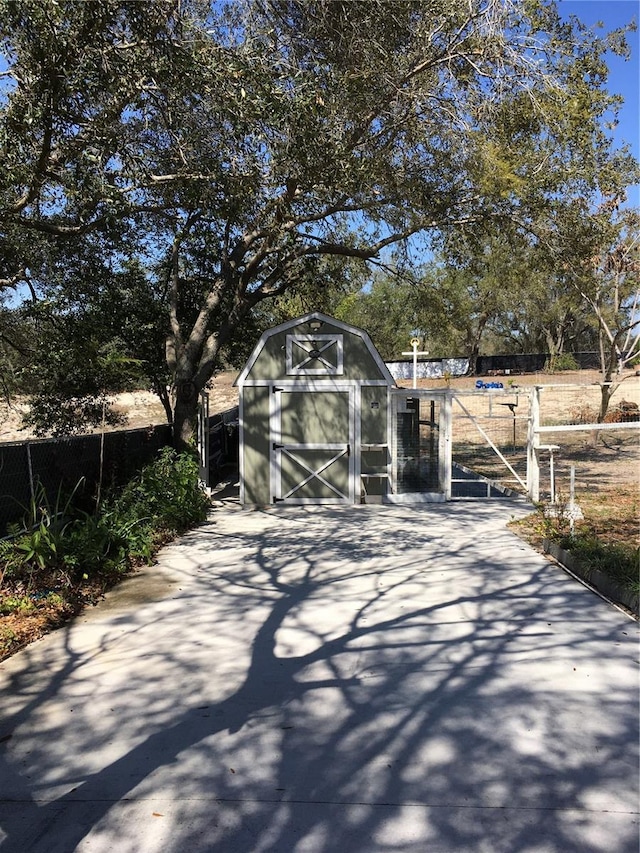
(357, 679)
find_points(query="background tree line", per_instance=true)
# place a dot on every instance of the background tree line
(176, 176)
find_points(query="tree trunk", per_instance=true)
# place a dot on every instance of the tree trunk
(606, 393)
(554, 347)
(162, 393)
(185, 415)
(608, 362)
(473, 361)
(474, 338)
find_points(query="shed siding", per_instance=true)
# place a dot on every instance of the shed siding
(314, 409)
(374, 414)
(255, 446)
(358, 361)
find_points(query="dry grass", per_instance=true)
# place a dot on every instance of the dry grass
(611, 515)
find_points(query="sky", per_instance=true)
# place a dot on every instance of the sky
(624, 76)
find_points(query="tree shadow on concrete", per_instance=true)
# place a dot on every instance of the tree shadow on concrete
(359, 680)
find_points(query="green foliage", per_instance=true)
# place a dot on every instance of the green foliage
(386, 310)
(94, 544)
(21, 604)
(7, 639)
(38, 541)
(561, 361)
(97, 333)
(164, 499)
(231, 147)
(40, 547)
(321, 286)
(16, 348)
(161, 501)
(621, 562)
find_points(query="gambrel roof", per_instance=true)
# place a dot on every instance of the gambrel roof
(330, 324)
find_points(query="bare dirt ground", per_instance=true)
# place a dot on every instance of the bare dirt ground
(141, 408)
(604, 460)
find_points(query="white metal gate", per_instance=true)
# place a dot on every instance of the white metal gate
(490, 436)
(454, 444)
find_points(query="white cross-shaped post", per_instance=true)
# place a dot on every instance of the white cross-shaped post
(415, 343)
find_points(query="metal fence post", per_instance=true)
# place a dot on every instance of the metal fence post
(30, 471)
(203, 439)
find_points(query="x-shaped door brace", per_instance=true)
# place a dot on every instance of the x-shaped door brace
(315, 473)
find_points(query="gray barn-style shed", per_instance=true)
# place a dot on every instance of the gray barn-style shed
(314, 416)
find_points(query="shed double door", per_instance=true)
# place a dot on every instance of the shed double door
(312, 445)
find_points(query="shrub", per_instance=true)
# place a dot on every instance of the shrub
(617, 561)
(561, 361)
(165, 498)
(162, 500)
(17, 604)
(94, 545)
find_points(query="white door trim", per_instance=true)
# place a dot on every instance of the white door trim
(276, 447)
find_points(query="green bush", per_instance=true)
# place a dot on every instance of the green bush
(561, 361)
(162, 500)
(93, 545)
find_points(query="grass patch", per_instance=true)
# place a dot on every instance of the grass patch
(619, 562)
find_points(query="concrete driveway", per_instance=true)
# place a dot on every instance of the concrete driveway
(369, 679)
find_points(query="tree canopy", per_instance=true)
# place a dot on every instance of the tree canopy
(231, 150)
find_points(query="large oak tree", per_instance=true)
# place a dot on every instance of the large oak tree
(229, 148)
